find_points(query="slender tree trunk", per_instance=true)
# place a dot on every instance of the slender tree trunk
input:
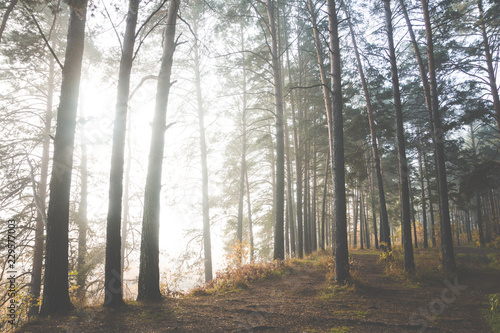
(81, 279)
(149, 274)
(403, 165)
(468, 226)
(293, 241)
(365, 218)
(336, 137)
(422, 195)
(489, 64)
(112, 281)
(428, 98)
(355, 203)
(55, 294)
(369, 172)
(289, 182)
(5, 17)
(279, 244)
(125, 214)
(314, 235)
(431, 209)
(239, 228)
(412, 212)
(41, 218)
(323, 206)
(307, 221)
(298, 167)
(250, 224)
(384, 219)
(243, 164)
(207, 245)
(361, 208)
(448, 256)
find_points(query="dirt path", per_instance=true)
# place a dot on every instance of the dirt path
(299, 302)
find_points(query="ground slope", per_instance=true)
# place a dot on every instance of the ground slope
(300, 301)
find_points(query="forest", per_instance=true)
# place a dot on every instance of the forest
(212, 166)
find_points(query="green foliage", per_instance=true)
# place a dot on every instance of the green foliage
(493, 314)
(495, 303)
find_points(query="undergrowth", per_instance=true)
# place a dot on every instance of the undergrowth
(237, 278)
(332, 290)
(428, 267)
(493, 313)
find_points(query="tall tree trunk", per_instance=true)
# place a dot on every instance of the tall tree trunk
(307, 220)
(369, 172)
(289, 183)
(323, 206)
(412, 212)
(384, 218)
(314, 238)
(126, 207)
(55, 291)
(489, 64)
(355, 203)
(427, 96)
(336, 137)
(249, 211)
(361, 208)
(431, 209)
(81, 279)
(243, 164)
(448, 256)
(207, 244)
(298, 163)
(289, 169)
(409, 263)
(41, 218)
(279, 242)
(112, 277)
(422, 193)
(468, 226)
(149, 274)
(365, 218)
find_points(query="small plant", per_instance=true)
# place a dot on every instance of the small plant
(234, 278)
(495, 303)
(493, 314)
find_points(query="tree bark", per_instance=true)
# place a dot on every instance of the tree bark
(113, 296)
(369, 172)
(489, 64)
(126, 207)
(41, 218)
(412, 211)
(384, 218)
(279, 244)
(323, 206)
(298, 162)
(293, 248)
(207, 244)
(81, 278)
(55, 294)
(336, 137)
(249, 212)
(477, 195)
(422, 194)
(243, 163)
(149, 274)
(409, 263)
(448, 256)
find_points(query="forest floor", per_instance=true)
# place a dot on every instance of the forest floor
(301, 300)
